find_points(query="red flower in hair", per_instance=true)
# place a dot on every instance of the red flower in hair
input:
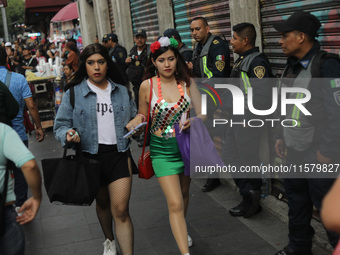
(155, 46)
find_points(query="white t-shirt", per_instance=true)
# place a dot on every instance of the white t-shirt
(105, 114)
(139, 52)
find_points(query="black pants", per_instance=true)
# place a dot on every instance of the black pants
(241, 148)
(302, 194)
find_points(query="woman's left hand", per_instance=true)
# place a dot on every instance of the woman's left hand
(185, 126)
(134, 123)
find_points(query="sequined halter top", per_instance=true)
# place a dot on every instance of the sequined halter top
(165, 115)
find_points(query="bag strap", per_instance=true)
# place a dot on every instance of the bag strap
(8, 79)
(4, 192)
(72, 96)
(147, 125)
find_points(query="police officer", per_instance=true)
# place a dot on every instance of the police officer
(210, 60)
(182, 48)
(242, 143)
(136, 61)
(316, 138)
(116, 51)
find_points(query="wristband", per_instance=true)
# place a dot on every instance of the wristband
(143, 116)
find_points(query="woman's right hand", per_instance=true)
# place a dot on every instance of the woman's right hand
(72, 136)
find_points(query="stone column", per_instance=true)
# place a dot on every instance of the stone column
(246, 11)
(88, 29)
(123, 22)
(165, 15)
(102, 18)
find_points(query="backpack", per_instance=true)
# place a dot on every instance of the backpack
(319, 59)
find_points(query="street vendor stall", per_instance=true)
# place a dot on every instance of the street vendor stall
(47, 95)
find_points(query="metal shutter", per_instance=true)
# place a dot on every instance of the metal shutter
(273, 11)
(112, 23)
(144, 16)
(215, 11)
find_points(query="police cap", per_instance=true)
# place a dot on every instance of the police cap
(112, 37)
(301, 21)
(171, 32)
(140, 32)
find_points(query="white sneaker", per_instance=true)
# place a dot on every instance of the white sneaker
(190, 242)
(109, 247)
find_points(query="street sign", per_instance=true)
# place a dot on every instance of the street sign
(3, 3)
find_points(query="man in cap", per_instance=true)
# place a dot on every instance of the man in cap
(242, 143)
(182, 48)
(28, 62)
(136, 61)
(11, 63)
(116, 51)
(316, 138)
(210, 60)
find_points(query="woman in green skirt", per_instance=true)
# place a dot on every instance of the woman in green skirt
(174, 93)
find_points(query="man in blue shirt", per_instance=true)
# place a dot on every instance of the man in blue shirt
(22, 93)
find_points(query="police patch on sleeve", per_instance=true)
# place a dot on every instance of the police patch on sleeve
(121, 54)
(335, 83)
(216, 42)
(337, 97)
(259, 71)
(220, 65)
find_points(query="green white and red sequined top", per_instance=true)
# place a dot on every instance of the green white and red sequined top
(164, 115)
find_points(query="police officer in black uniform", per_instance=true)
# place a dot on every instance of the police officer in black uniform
(185, 51)
(210, 60)
(116, 51)
(316, 139)
(136, 61)
(242, 143)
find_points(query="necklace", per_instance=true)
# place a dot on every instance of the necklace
(160, 97)
(165, 115)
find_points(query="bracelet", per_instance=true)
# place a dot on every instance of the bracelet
(143, 116)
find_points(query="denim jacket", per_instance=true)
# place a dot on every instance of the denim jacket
(84, 116)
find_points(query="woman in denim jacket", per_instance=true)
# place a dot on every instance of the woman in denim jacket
(102, 108)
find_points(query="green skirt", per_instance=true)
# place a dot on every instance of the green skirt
(165, 156)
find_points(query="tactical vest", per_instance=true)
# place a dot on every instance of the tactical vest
(135, 70)
(301, 136)
(241, 69)
(184, 49)
(203, 58)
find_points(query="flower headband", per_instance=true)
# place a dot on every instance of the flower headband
(163, 42)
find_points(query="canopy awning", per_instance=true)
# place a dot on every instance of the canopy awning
(69, 12)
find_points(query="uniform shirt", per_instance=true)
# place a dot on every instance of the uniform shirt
(20, 90)
(258, 73)
(187, 55)
(12, 148)
(135, 69)
(329, 95)
(218, 59)
(119, 54)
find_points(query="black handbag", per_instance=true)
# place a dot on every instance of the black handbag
(72, 179)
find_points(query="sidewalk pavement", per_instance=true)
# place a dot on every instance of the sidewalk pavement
(66, 230)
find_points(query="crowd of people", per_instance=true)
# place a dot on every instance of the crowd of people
(161, 76)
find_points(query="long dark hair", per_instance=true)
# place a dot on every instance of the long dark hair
(113, 71)
(182, 71)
